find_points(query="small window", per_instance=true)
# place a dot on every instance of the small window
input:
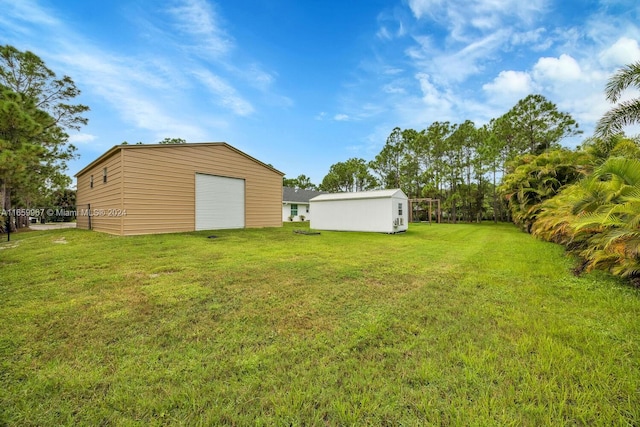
(91, 181)
(399, 208)
(294, 210)
(104, 175)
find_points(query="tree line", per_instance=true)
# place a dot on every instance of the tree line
(459, 163)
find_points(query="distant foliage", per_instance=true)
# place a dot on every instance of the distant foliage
(349, 176)
(302, 182)
(172, 141)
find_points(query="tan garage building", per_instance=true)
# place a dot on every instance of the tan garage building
(166, 188)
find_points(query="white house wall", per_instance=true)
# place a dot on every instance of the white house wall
(303, 209)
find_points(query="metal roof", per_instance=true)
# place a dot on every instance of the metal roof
(376, 194)
(188, 145)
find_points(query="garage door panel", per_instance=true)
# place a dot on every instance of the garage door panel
(219, 202)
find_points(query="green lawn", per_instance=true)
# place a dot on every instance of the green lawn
(443, 325)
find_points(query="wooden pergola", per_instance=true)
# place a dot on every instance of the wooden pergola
(430, 201)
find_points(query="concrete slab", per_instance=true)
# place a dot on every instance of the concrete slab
(52, 226)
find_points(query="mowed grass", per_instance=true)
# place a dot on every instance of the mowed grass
(443, 325)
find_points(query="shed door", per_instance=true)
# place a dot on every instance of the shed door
(219, 202)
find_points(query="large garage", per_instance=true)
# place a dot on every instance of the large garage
(167, 188)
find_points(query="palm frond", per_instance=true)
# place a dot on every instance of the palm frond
(624, 78)
(628, 170)
(613, 121)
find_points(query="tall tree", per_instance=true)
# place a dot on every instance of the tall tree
(349, 176)
(436, 136)
(411, 163)
(35, 113)
(489, 157)
(625, 112)
(451, 169)
(302, 182)
(537, 125)
(388, 162)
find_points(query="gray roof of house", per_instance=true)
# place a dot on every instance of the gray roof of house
(290, 194)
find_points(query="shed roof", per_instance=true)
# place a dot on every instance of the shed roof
(376, 194)
(290, 194)
(117, 148)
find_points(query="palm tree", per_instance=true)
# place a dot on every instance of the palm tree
(625, 112)
(610, 211)
(555, 221)
(534, 179)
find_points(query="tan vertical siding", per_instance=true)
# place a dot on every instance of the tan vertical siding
(159, 186)
(155, 186)
(105, 199)
(158, 191)
(151, 189)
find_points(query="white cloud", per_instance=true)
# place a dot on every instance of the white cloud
(394, 88)
(461, 17)
(129, 88)
(622, 52)
(81, 138)
(454, 65)
(422, 8)
(401, 30)
(459, 65)
(384, 34)
(26, 11)
(431, 96)
(391, 26)
(562, 69)
(391, 71)
(509, 86)
(258, 78)
(483, 22)
(341, 117)
(536, 40)
(198, 19)
(225, 94)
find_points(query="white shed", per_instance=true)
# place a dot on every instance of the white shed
(383, 211)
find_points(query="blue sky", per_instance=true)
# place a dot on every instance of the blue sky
(305, 84)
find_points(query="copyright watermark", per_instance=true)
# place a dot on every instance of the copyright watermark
(62, 212)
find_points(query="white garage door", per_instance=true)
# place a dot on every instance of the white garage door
(219, 202)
